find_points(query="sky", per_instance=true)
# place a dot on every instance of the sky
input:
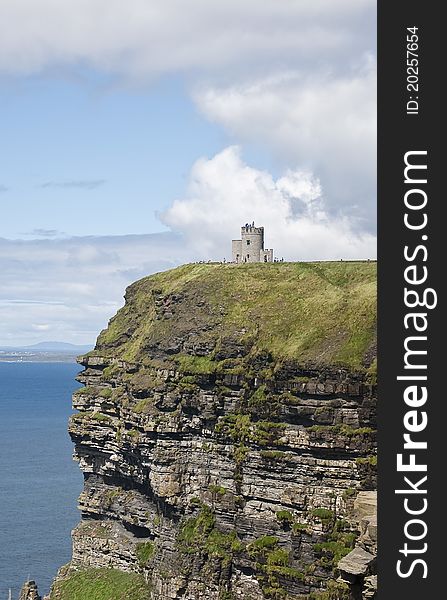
(141, 135)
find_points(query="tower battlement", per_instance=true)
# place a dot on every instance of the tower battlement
(251, 228)
(250, 248)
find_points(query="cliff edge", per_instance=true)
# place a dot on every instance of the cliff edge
(226, 432)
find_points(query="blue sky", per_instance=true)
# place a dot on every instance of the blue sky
(81, 147)
(137, 137)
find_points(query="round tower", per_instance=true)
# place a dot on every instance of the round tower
(252, 243)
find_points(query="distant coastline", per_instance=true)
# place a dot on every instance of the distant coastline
(42, 353)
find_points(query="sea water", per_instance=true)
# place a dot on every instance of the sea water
(39, 482)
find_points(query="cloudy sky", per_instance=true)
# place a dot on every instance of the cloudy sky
(139, 135)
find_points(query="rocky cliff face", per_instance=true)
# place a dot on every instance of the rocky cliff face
(227, 437)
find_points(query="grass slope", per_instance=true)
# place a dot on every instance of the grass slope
(102, 584)
(319, 313)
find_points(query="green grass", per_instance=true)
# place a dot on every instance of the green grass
(298, 527)
(335, 550)
(237, 426)
(142, 406)
(372, 372)
(273, 564)
(321, 313)
(102, 584)
(335, 591)
(102, 418)
(323, 513)
(195, 365)
(196, 530)
(263, 544)
(349, 493)
(267, 433)
(200, 534)
(339, 542)
(241, 429)
(86, 391)
(85, 415)
(341, 429)
(368, 460)
(134, 435)
(273, 454)
(145, 551)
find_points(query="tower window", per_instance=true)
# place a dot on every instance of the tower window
(248, 242)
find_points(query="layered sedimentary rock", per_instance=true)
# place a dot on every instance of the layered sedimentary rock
(29, 591)
(226, 432)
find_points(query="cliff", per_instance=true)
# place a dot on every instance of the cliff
(226, 432)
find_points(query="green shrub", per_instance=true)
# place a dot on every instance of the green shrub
(200, 534)
(265, 543)
(237, 426)
(266, 433)
(334, 550)
(349, 493)
(298, 527)
(217, 490)
(284, 517)
(323, 513)
(196, 530)
(259, 398)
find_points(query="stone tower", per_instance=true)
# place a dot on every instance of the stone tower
(250, 248)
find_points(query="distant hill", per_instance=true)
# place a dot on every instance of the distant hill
(58, 347)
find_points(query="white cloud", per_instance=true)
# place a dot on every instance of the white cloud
(224, 193)
(149, 37)
(294, 77)
(323, 121)
(67, 289)
(40, 326)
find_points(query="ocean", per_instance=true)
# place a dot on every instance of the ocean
(39, 482)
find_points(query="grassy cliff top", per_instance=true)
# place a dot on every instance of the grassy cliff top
(319, 313)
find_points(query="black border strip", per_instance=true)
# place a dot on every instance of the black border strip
(400, 132)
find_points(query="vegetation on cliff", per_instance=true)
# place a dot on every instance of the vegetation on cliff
(101, 584)
(319, 313)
